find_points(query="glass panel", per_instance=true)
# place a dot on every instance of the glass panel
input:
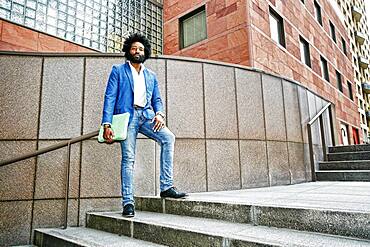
(5, 4)
(29, 22)
(31, 13)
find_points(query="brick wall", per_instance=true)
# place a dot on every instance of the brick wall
(18, 38)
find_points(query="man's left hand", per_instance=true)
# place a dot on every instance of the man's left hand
(158, 123)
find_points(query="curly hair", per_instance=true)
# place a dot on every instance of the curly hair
(137, 37)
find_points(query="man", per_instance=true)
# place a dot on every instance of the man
(133, 88)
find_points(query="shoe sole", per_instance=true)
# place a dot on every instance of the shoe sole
(128, 216)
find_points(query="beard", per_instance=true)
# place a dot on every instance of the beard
(135, 58)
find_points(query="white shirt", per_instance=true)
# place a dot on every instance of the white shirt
(139, 86)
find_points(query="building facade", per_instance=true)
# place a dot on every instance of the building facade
(356, 24)
(101, 25)
(303, 40)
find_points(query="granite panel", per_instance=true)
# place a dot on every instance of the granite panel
(292, 112)
(220, 102)
(253, 160)
(223, 167)
(327, 128)
(96, 205)
(61, 102)
(15, 222)
(296, 162)
(274, 108)
(185, 99)
(158, 66)
(307, 162)
(250, 105)
(279, 171)
(144, 175)
(100, 169)
(50, 213)
(51, 172)
(304, 111)
(19, 96)
(17, 179)
(96, 74)
(190, 165)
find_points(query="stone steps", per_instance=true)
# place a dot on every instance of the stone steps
(349, 148)
(81, 236)
(345, 165)
(176, 230)
(358, 155)
(343, 175)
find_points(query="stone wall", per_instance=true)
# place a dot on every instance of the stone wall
(235, 128)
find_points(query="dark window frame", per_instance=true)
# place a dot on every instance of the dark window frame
(339, 80)
(350, 91)
(324, 68)
(318, 13)
(181, 27)
(281, 30)
(344, 46)
(332, 32)
(307, 53)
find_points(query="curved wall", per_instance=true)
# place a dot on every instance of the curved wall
(235, 128)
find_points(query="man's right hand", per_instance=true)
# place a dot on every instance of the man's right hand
(108, 135)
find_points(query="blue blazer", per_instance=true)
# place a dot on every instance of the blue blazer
(119, 94)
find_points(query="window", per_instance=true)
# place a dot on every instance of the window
(305, 51)
(332, 32)
(324, 68)
(344, 46)
(277, 27)
(350, 92)
(193, 27)
(302, 1)
(339, 81)
(318, 13)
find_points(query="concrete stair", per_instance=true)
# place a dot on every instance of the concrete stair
(346, 163)
(285, 216)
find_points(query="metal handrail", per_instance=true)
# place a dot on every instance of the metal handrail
(319, 116)
(67, 143)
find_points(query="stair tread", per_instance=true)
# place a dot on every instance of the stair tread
(92, 237)
(346, 171)
(345, 161)
(244, 232)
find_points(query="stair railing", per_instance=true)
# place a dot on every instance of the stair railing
(319, 116)
(67, 143)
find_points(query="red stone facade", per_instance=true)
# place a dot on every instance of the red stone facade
(18, 38)
(238, 31)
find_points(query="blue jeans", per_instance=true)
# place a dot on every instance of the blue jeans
(166, 139)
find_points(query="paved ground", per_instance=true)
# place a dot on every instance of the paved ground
(346, 196)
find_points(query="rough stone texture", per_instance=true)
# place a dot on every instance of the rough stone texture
(185, 99)
(274, 108)
(15, 222)
(19, 96)
(158, 66)
(296, 162)
(106, 224)
(17, 179)
(250, 105)
(98, 205)
(292, 115)
(307, 162)
(222, 211)
(100, 169)
(253, 160)
(223, 167)
(220, 105)
(278, 163)
(304, 112)
(50, 213)
(96, 74)
(189, 162)
(151, 204)
(144, 174)
(51, 172)
(337, 223)
(61, 102)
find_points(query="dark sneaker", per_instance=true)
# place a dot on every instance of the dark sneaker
(128, 210)
(172, 193)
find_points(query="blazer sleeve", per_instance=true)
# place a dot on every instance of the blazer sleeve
(156, 97)
(110, 96)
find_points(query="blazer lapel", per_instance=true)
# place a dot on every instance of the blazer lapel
(129, 75)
